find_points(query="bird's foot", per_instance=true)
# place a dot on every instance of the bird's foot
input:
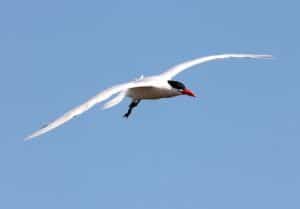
(131, 106)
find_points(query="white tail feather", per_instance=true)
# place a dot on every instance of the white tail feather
(116, 100)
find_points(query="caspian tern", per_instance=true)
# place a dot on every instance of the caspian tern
(152, 87)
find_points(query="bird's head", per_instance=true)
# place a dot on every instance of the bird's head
(181, 88)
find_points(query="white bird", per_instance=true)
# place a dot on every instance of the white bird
(152, 87)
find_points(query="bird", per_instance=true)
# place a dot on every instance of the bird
(144, 88)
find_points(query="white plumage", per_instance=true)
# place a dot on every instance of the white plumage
(154, 87)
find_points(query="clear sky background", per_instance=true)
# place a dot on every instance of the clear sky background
(235, 146)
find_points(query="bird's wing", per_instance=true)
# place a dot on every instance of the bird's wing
(170, 73)
(87, 105)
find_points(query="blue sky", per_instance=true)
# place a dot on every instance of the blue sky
(235, 146)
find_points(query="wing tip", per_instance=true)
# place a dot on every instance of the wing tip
(28, 138)
(266, 56)
(35, 134)
(249, 55)
(259, 56)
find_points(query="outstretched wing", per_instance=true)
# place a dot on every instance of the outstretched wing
(86, 106)
(170, 73)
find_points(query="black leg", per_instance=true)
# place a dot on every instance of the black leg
(132, 105)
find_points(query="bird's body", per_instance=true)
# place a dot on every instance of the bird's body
(144, 88)
(160, 92)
